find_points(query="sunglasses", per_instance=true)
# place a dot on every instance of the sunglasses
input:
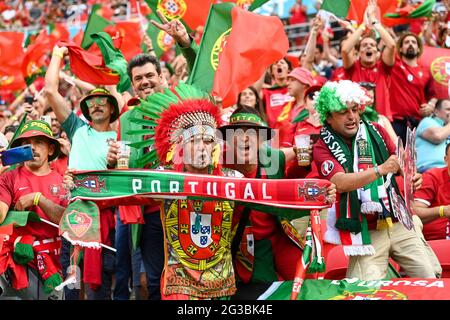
(98, 101)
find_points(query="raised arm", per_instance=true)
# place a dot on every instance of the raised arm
(311, 44)
(59, 105)
(348, 58)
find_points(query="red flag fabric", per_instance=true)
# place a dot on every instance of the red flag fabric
(357, 8)
(78, 38)
(11, 78)
(11, 50)
(89, 67)
(438, 60)
(60, 32)
(242, 63)
(193, 12)
(131, 38)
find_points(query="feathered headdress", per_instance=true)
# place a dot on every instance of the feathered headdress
(169, 119)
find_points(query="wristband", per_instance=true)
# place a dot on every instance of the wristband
(14, 118)
(441, 212)
(37, 197)
(377, 172)
(58, 54)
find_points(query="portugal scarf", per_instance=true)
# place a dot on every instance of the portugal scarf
(346, 220)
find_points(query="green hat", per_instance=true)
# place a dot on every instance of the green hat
(245, 116)
(37, 128)
(100, 92)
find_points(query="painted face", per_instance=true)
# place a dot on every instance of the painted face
(41, 149)
(197, 152)
(345, 122)
(248, 98)
(145, 80)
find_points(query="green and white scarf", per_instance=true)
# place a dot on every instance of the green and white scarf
(346, 223)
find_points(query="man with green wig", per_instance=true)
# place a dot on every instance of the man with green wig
(369, 218)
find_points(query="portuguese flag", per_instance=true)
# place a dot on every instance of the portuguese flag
(11, 57)
(192, 13)
(249, 5)
(217, 30)
(16, 219)
(162, 42)
(96, 23)
(438, 62)
(354, 10)
(113, 59)
(90, 67)
(241, 63)
(418, 10)
(355, 289)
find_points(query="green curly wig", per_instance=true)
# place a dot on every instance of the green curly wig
(327, 102)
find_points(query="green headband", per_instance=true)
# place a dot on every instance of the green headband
(247, 117)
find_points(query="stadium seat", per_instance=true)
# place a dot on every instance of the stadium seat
(442, 250)
(336, 264)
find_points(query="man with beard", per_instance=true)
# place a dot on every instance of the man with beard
(369, 67)
(90, 144)
(35, 187)
(411, 84)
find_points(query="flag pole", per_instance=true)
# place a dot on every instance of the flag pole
(56, 226)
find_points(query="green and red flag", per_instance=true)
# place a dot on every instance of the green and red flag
(438, 62)
(131, 34)
(241, 63)
(161, 40)
(59, 31)
(354, 10)
(192, 13)
(96, 23)
(113, 58)
(80, 224)
(249, 5)
(413, 11)
(90, 67)
(13, 220)
(217, 30)
(303, 264)
(355, 289)
(35, 60)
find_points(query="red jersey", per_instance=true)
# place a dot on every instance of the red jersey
(435, 191)
(19, 182)
(380, 76)
(410, 85)
(328, 166)
(275, 99)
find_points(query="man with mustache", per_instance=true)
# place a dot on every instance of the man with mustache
(372, 65)
(359, 157)
(90, 144)
(411, 82)
(35, 187)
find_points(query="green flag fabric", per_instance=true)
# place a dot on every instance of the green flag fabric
(338, 8)
(113, 58)
(423, 10)
(95, 24)
(355, 289)
(162, 42)
(17, 219)
(80, 224)
(256, 4)
(218, 27)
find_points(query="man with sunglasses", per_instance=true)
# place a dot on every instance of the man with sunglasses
(90, 144)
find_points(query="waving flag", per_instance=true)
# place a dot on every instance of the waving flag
(438, 60)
